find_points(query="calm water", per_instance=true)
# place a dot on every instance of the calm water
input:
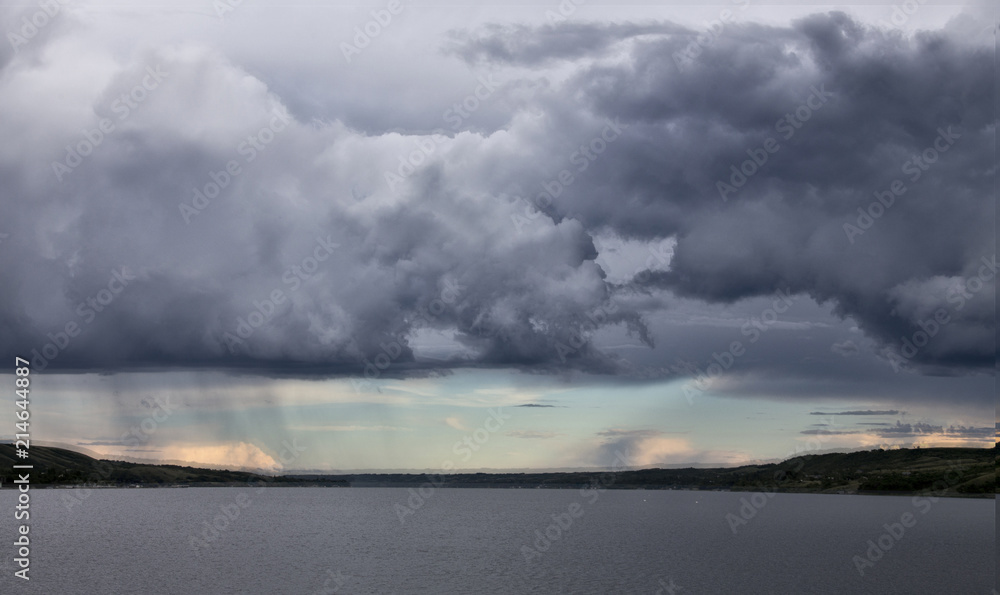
(305, 540)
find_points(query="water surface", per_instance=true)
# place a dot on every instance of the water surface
(305, 540)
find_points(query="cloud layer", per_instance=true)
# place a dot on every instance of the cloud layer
(168, 208)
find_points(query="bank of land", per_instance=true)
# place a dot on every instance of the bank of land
(946, 471)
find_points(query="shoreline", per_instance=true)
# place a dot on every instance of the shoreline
(927, 493)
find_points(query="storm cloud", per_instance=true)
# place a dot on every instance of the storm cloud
(174, 208)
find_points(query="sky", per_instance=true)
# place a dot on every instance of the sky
(523, 235)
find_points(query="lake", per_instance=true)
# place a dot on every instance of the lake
(391, 540)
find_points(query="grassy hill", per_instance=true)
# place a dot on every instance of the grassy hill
(955, 471)
(946, 471)
(58, 466)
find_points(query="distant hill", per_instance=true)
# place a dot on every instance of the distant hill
(946, 471)
(954, 471)
(59, 466)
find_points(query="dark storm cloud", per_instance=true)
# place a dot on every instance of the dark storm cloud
(288, 270)
(829, 432)
(910, 429)
(901, 430)
(341, 271)
(865, 412)
(617, 433)
(971, 432)
(850, 108)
